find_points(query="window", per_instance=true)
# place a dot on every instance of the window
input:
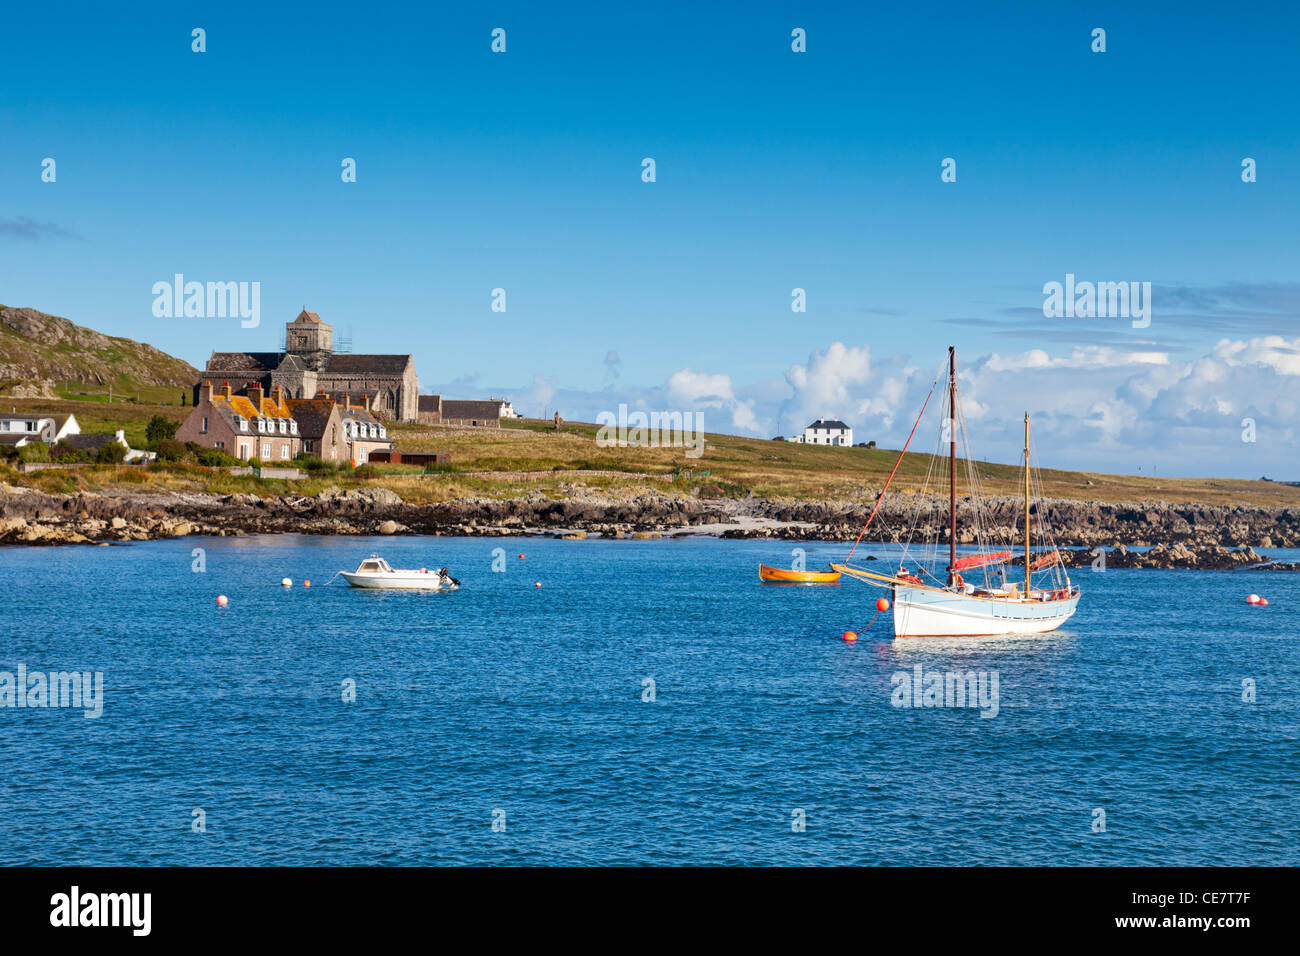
(205, 424)
(284, 450)
(243, 450)
(284, 426)
(293, 426)
(266, 449)
(381, 431)
(221, 444)
(243, 424)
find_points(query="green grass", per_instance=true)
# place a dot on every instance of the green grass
(530, 455)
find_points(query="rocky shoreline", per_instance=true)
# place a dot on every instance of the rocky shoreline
(1180, 535)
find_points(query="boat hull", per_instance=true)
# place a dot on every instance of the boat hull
(926, 612)
(771, 575)
(402, 582)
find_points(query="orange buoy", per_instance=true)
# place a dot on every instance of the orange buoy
(850, 637)
(538, 584)
(306, 584)
(521, 557)
(222, 600)
(882, 604)
(1263, 602)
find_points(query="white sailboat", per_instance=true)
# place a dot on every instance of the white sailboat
(934, 600)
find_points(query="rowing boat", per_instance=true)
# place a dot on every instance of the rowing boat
(772, 575)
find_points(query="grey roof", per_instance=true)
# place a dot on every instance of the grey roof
(452, 408)
(92, 441)
(347, 364)
(292, 363)
(832, 423)
(357, 414)
(13, 438)
(312, 415)
(430, 403)
(255, 362)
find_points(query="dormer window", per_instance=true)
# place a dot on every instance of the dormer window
(284, 426)
(243, 424)
(293, 426)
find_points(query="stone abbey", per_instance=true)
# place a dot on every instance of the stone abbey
(309, 367)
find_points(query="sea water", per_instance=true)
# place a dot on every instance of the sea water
(650, 703)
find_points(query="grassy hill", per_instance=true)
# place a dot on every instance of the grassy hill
(85, 364)
(772, 468)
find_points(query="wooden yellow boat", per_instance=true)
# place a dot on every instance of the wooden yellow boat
(781, 576)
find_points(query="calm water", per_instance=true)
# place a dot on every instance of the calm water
(508, 697)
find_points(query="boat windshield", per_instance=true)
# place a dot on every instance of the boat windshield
(370, 566)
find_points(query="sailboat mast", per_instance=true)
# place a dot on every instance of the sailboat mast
(952, 458)
(1027, 571)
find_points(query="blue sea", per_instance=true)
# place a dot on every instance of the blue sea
(650, 703)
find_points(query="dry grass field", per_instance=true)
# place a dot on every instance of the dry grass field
(531, 455)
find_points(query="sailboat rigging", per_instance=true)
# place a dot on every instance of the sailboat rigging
(928, 602)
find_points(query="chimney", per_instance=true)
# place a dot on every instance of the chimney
(205, 392)
(225, 391)
(275, 395)
(254, 393)
(366, 401)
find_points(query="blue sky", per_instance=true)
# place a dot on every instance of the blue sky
(775, 170)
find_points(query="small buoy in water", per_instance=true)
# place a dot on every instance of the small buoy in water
(538, 584)
(222, 600)
(521, 557)
(850, 637)
(286, 582)
(1263, 602)
(306, 584)
(1254, 599)
(882, 604)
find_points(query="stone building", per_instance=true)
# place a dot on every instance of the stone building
(255, 424)
(320, 427)
(436, 410)
(309, 366)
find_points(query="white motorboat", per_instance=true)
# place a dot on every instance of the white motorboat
(374, 572)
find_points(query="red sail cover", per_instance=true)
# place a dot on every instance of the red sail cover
(975, 560)
(1043, 560)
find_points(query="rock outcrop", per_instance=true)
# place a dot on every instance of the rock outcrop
(1131, 535)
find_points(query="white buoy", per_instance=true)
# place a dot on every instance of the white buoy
(286, 582)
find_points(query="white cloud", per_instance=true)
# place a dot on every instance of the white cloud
(1097, 409)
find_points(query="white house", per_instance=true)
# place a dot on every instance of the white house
(826, 432)
(20, 430)
(507, 409)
